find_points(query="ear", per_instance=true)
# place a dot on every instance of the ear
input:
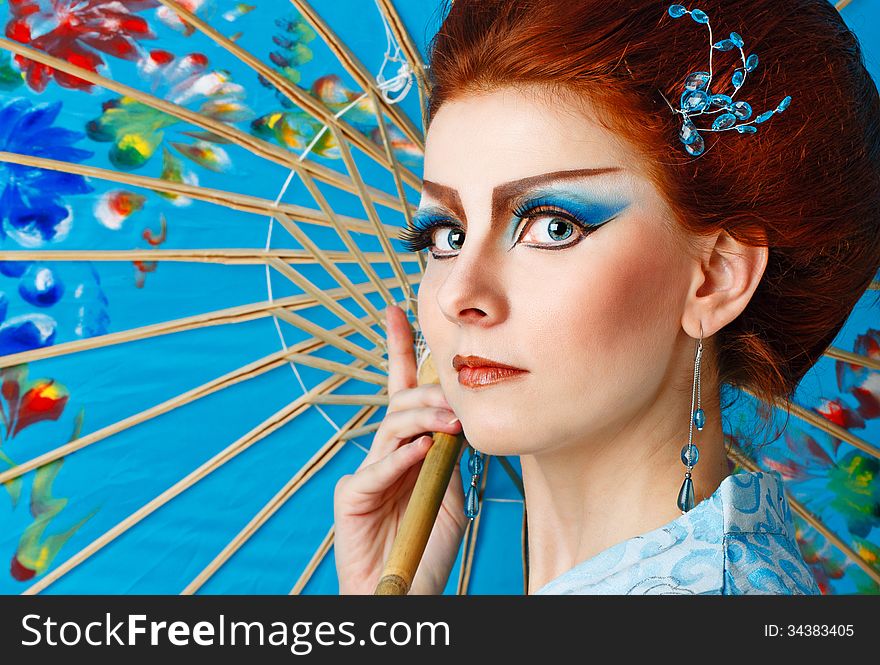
(724, 280)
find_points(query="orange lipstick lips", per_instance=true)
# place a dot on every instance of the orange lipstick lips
(478, 372)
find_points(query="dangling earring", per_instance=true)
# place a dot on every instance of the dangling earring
(690, 454)
(472, 500)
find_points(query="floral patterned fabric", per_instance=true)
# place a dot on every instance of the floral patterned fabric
(740, 540)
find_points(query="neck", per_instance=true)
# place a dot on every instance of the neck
(586, 496)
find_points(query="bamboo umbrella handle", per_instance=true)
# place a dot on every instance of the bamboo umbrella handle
(423, 507)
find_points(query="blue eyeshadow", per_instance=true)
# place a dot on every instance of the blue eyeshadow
(424, 216)
(591, 211)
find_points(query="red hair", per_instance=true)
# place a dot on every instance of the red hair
(806, 185)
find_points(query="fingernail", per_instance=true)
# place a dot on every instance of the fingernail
(453, 421)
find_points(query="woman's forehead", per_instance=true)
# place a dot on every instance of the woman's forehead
(491, 138)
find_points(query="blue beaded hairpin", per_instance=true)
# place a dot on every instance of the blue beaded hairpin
(697, 97)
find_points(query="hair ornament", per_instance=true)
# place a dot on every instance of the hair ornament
(697, 97)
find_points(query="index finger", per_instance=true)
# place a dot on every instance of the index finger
(402, 370)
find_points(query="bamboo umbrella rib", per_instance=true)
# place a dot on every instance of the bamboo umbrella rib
(463, 579)
(295, 94)
(853, 358)
(350, 400)
(330, 338)
(357, 70)
(323, 455)
(834, 430)
(337, 274)
(263, 429)
(423, 107)
(245, 373)
(361, 431)
(237, 314)
(319, 555)
(251, 143)
(825, 425)
(739, 456)
(405, 40)
(395, 163)
(398, 183)
(875, 285)
(243, 202)
(352, 246)
(318, 111)
(381, 231)
(470, 538)
(401, 34)
(339, 368)
(330, 303)
(514, 476)
(226, 256)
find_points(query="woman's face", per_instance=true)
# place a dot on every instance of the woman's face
(551, 253)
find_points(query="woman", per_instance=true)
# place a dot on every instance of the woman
(581, 235)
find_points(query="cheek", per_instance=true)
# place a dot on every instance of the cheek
(430, 323)
(613, 312)
(438, 332)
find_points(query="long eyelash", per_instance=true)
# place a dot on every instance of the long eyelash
(419, 236)
(536, 210)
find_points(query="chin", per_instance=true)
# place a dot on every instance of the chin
(496, 447)
(508, 439)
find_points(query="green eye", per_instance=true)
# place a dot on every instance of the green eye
(452, 236)
(549, 229)
(559, 229)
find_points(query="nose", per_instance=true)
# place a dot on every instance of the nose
(473, 289)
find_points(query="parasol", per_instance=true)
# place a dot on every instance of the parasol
(199, 209)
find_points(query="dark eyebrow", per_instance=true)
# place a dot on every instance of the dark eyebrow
(502, 193)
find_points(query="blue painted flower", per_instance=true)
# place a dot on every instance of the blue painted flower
(31, 199)
(26, 332)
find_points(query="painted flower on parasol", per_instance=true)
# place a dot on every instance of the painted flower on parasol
(23, 404)
(79, 32)
(32, 209)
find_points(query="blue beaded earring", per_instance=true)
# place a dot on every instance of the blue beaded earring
(690, 454)
(472, 500)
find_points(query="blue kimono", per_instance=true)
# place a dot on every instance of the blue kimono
(739, 540)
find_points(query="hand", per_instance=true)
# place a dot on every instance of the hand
(369, 505)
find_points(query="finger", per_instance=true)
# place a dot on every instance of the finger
(402, 370)
(426, 394)
(404, 425)
(377, 477)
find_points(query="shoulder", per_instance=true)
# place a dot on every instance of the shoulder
(761, 554)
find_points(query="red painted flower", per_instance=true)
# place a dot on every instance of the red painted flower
(29, 402)
(19, 571)
(77, 32)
